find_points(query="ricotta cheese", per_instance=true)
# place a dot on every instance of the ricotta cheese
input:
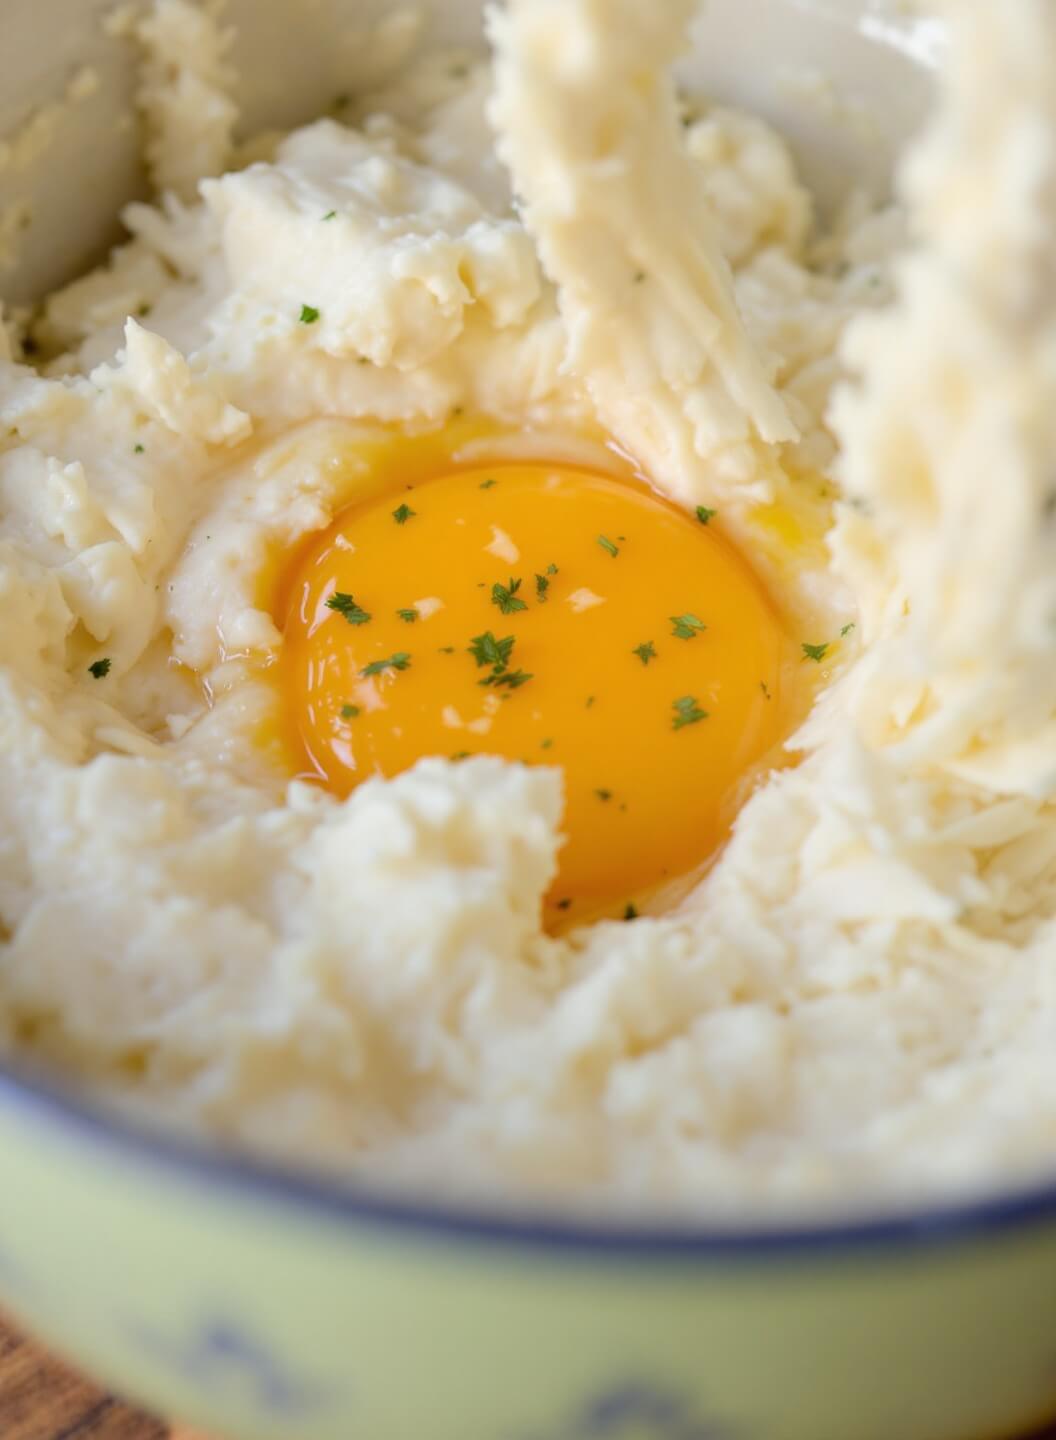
(856, 1007)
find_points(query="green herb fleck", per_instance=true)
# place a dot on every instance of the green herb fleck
(542, 585)
(687, 712)
(607, 545)
(704, 514)
(639, 277)
(590, 702)
(402, 514)
(309, 314)
(816, 653)
(847, 628)
(603, 795)
(400, 661)
(551, 569)
(347, 608)
(487, 484)
(512, 678)
(137, 449)
(447, 650)
(686, 626)
(563, 904)
(486, 650)
(330, 215)
(765, 689)
(409, 615)
(546, 745)
(460, 755)
(506, 598)
(349, 712)
(645, 652)
(99, 669)
(630, 913)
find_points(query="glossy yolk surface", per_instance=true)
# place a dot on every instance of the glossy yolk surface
(548, 615)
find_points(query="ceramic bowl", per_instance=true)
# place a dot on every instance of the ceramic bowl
(263, 1305)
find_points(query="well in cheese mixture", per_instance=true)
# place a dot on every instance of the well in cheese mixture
(655, 739)
(526, 661)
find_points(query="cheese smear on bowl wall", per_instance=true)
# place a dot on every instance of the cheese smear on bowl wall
(526, 667)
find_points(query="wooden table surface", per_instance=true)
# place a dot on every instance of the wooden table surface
(41, 1399)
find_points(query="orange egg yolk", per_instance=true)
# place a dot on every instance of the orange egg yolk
(552, 616)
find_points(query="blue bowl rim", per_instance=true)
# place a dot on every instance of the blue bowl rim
(932, 1226)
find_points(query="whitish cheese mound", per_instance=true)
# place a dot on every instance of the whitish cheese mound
(854, 1004)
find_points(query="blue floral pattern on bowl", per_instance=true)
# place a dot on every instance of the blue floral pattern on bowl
(640, 1412)
(223, 1355)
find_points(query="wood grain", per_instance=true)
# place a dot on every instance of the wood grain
(42, 1399)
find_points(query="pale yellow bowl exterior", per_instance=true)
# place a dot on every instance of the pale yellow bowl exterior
(262, 1309)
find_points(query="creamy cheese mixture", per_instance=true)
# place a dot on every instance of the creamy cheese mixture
(857, 1004)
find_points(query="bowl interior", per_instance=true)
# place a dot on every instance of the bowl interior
(846, 80)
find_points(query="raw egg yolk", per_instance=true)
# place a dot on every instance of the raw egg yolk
(552, 616)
